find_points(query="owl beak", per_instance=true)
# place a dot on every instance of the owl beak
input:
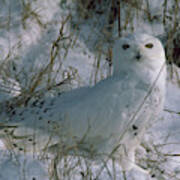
(138, 56)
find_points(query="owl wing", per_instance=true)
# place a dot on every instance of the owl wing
(101, 111)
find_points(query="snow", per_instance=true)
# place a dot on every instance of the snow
(30, 50)
(21, 167)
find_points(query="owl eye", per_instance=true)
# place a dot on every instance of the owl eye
(125, 46)
(149, 45)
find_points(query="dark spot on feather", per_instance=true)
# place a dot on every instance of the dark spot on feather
(6, 131)
(45, 110)
(14, 112)
(42, 102)
(134, 127)
(21, 113)
(35, 103)
(15, 145)
(148, 150)
(82, 174)
(135, 134)
(10, 108)
(20, 149)
(99, 12)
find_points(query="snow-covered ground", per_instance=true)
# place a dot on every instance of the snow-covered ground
(27, 34)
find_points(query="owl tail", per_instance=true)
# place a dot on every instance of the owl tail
(9, 88)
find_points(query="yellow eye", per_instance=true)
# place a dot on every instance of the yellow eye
(149, 45)
(125, 46)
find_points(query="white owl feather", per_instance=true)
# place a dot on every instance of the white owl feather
(109, 118)
(9, 88)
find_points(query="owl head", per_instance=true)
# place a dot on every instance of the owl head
(138, 51)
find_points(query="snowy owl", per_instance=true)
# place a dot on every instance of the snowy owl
(108, 119)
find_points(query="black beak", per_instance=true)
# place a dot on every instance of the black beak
(138, 56)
